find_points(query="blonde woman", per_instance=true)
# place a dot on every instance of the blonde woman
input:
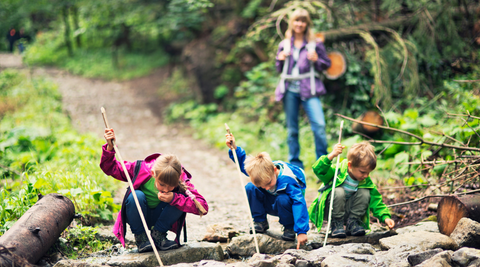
(303, 53)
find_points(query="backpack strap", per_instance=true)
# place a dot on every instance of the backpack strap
(138, 164)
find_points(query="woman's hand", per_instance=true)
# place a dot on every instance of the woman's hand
(109, 136)
(230, 141)
(282, 55)
(312, 56)
(301, 240)
(337, 150)
(166, 197)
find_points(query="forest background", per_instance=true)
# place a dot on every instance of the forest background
(414, 62)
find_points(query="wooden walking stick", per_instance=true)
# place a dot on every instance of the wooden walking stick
(145, 226)
(244, 193)
(333, 187)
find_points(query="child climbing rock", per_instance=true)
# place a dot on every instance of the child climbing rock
(355, 193)
(277, 188)
(165, 193)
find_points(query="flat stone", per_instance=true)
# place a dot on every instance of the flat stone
(76, 263)
(245, 245)
(417, 258)
(191, 252)
(421, 226)
(316, 240)
(466, 257)
(442, 259)
(421, 240)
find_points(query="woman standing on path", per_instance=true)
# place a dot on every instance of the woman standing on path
(296, 92)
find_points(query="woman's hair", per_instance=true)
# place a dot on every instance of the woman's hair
(260, 168)
(168, 169)
(302, 14)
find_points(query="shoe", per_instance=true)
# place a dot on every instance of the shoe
(337, 229)
(288, 235)
(161, 241)
(260, 227)
(355, 227)
(142, 242)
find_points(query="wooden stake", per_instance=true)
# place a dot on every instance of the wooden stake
(333, 187)
(245, 192)
(145, 226)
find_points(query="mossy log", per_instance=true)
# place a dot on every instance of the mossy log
(452, 208)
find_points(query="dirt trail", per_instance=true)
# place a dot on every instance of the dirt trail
(132, 110)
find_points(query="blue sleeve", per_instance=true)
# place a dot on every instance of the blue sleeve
(299, 209)
(241, 155)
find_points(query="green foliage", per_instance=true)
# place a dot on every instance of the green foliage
(80, 241)
(43, 154)
(92, 63)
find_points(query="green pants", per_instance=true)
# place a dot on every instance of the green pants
(354, 207)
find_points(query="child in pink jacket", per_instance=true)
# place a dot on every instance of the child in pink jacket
(164, 191)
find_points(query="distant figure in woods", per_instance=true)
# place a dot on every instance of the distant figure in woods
(22, 40)
(302, 51)
(12, 37)
(165, 193)
(277, 188)
(355, 193)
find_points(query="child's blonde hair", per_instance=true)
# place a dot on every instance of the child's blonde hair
(168, 169)
(260, 168)
(362, 155)
(302, 14)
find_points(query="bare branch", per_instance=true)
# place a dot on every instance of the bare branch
(432, 196)
(422, 141)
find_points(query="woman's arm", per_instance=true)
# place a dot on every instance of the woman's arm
(323, 62)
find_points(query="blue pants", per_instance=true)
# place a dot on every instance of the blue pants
(161, 217)
(263, 203)
(314, 111)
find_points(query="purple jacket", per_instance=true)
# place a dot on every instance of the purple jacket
(112, 167)
(321, 64)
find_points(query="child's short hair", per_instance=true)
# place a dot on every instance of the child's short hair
(167, 169)
(260, 169)
(362, 155)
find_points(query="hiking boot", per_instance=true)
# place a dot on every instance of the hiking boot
(142, 242)
(260, 227)
(161, 241)
(337, 229)
(288, 235)
(355, 227)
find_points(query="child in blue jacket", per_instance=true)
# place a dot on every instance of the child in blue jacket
(277, 188)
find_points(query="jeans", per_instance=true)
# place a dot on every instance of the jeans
(313, 108)
(354, 207)
(263, 203)
(161, 217)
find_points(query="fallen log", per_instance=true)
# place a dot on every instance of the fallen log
(37, 230)
(452, 208)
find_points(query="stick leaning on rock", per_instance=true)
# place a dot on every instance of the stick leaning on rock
(130, 184)
(245, 192)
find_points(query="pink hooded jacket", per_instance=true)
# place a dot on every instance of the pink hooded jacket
(112, 167)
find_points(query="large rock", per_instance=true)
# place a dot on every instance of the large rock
(467, 233)
(466, 257)
(220, 232)
(422, 240)
(417, 258)
(245, 245)
(76, 263)
(316, 240)
(442, 259)
(421, 226)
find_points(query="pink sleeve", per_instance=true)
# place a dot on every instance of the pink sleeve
(186, 204)
(110, 165)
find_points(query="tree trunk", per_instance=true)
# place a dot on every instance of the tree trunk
(68, 43)
(76, 26)
(37, 230)
(370, 117)
(452, 208)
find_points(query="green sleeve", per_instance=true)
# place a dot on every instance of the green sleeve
(323, 169)
(378, 208)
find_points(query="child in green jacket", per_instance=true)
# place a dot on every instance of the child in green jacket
(355, 193)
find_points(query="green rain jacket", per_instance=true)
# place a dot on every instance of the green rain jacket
(325, 171)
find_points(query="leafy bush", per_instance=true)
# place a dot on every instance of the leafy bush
(41, 153)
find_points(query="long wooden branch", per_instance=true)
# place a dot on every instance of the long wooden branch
(422, 141)
(432, 196)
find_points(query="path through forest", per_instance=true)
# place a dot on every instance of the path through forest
(133, 110)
